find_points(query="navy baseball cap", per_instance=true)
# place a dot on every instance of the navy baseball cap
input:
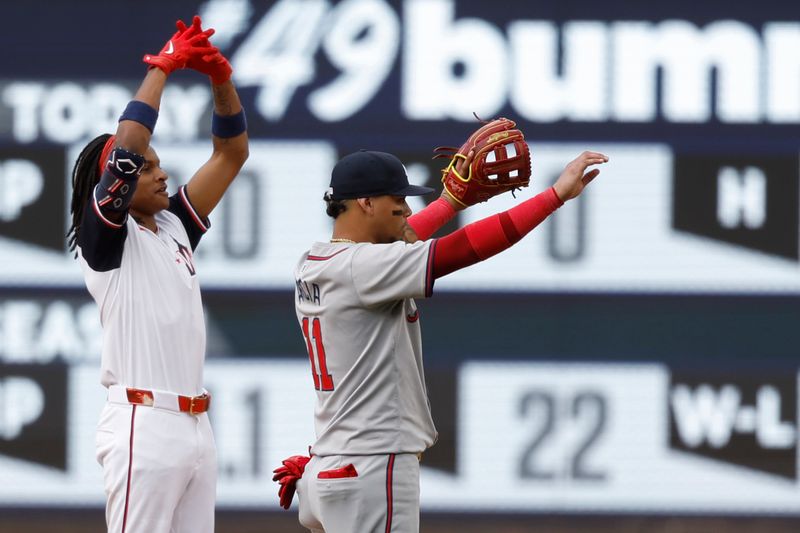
(365, 173)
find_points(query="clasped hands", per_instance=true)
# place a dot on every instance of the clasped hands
(190, 48)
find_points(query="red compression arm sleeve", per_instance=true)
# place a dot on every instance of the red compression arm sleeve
(434, 216)
(490, 236)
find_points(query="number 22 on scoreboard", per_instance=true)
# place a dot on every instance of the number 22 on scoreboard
(322, 379)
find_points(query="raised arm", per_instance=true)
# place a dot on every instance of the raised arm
(139, 118)
(106, 174)
(230, 150)
(132, 134)
(490, 236)
(122, 158)
(228, 130)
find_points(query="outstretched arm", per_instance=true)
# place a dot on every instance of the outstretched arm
(230, 151)
(490, 236)
(423, 224)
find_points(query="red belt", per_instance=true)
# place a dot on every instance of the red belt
(187, 404)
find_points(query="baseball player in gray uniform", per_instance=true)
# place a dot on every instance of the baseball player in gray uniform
(134, 244)
(355, 306)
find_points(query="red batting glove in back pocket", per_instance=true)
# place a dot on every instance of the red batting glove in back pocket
(337, 473)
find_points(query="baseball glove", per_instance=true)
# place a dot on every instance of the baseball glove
(501, 162)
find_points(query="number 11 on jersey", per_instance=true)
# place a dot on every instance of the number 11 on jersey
(322, 380)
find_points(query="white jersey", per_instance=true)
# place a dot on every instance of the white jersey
(355, 306)
(146, 287)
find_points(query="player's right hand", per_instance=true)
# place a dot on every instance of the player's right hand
(574, 178)
(186, 44)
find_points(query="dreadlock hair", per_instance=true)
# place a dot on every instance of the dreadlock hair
(84, 179)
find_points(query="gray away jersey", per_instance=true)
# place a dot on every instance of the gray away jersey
(147, 290)
(355, 307)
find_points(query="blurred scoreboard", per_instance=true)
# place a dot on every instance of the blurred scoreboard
(653, 221)
(531, 437)
(639, 349)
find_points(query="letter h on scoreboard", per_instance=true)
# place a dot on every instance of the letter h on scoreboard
(749, 201)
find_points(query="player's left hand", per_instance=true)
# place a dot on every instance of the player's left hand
(574, 178)
(185, 44)
(288, 475)
(212, 63)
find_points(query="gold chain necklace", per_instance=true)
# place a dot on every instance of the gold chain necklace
(344, 240)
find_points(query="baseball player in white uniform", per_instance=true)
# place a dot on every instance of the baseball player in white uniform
(355, 306)
(134, 244)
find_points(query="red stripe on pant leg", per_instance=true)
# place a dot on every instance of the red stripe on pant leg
(130, 465)
(389, 471)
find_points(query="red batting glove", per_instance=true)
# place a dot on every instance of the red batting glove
(287, 476)
(211, 63)
(185, 44)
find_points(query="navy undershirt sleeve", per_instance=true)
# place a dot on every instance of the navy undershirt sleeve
(100, 240)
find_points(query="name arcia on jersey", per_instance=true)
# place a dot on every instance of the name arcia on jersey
(309, 292)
